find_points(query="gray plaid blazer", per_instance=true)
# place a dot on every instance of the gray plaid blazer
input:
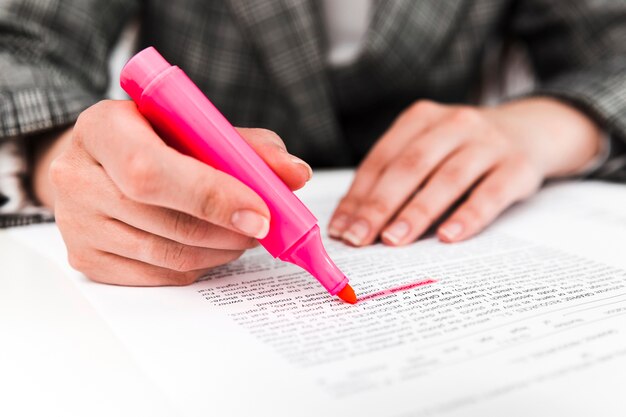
(262, 62)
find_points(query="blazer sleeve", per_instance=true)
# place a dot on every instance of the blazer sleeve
(53, 64)
(578, 50)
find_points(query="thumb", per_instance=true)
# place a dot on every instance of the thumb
(292, 170)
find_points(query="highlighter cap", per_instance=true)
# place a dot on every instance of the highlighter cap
(141, 70)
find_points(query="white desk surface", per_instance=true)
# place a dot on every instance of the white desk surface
(57, 355)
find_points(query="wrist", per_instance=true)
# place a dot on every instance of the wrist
(560, 139)
(46, 149)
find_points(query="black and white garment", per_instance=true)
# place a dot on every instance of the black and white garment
(263, 64)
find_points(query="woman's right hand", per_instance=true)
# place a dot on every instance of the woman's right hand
(133, 211)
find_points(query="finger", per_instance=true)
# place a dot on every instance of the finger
(112, 269)
(413, 122)
(170, 224)
(292, 170)
(510, 182)
(180, 227)
(167, 223)
(448, 183)
(120, 239)
(148, 171)
(402, 178)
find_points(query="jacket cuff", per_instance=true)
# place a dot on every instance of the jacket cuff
(601, 95)
(602, 156)
(28, 111)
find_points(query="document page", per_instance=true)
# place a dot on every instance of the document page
(527, 318)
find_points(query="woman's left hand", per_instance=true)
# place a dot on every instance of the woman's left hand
(435, 155)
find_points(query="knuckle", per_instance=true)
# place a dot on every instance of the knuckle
(374, 161)
(236, 255)
(452, 176)
(79, 130)
(83, 120)
(227, 257)
(59, 172)
(212, 202)
(249, 243)
(271, 136)
(88, 116)
(232, 256)
(140, 177)
(522, 166)
(495, 143)
(182, 279)
(104, 106)
(467, 116)
(262, 135)
(494, 195)
(188, 228)
(176, 257)
(411, 159)
(371, 165)
(422, 107)
(77, 260)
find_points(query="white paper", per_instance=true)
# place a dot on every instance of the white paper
(528, 318)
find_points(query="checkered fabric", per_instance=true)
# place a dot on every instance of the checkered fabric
(263, 64)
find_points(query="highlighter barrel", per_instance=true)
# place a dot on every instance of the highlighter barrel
(187, 121)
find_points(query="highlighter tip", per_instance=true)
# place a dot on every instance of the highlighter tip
(347, 294)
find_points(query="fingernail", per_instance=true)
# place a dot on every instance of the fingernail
(250, 223)
(299, 161)
(396, 232)
(451, 230)
(357, 233)
(338, 225)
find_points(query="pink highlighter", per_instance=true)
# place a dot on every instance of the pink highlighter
(187, 121)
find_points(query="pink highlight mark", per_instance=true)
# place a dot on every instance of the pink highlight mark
(389, 291)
